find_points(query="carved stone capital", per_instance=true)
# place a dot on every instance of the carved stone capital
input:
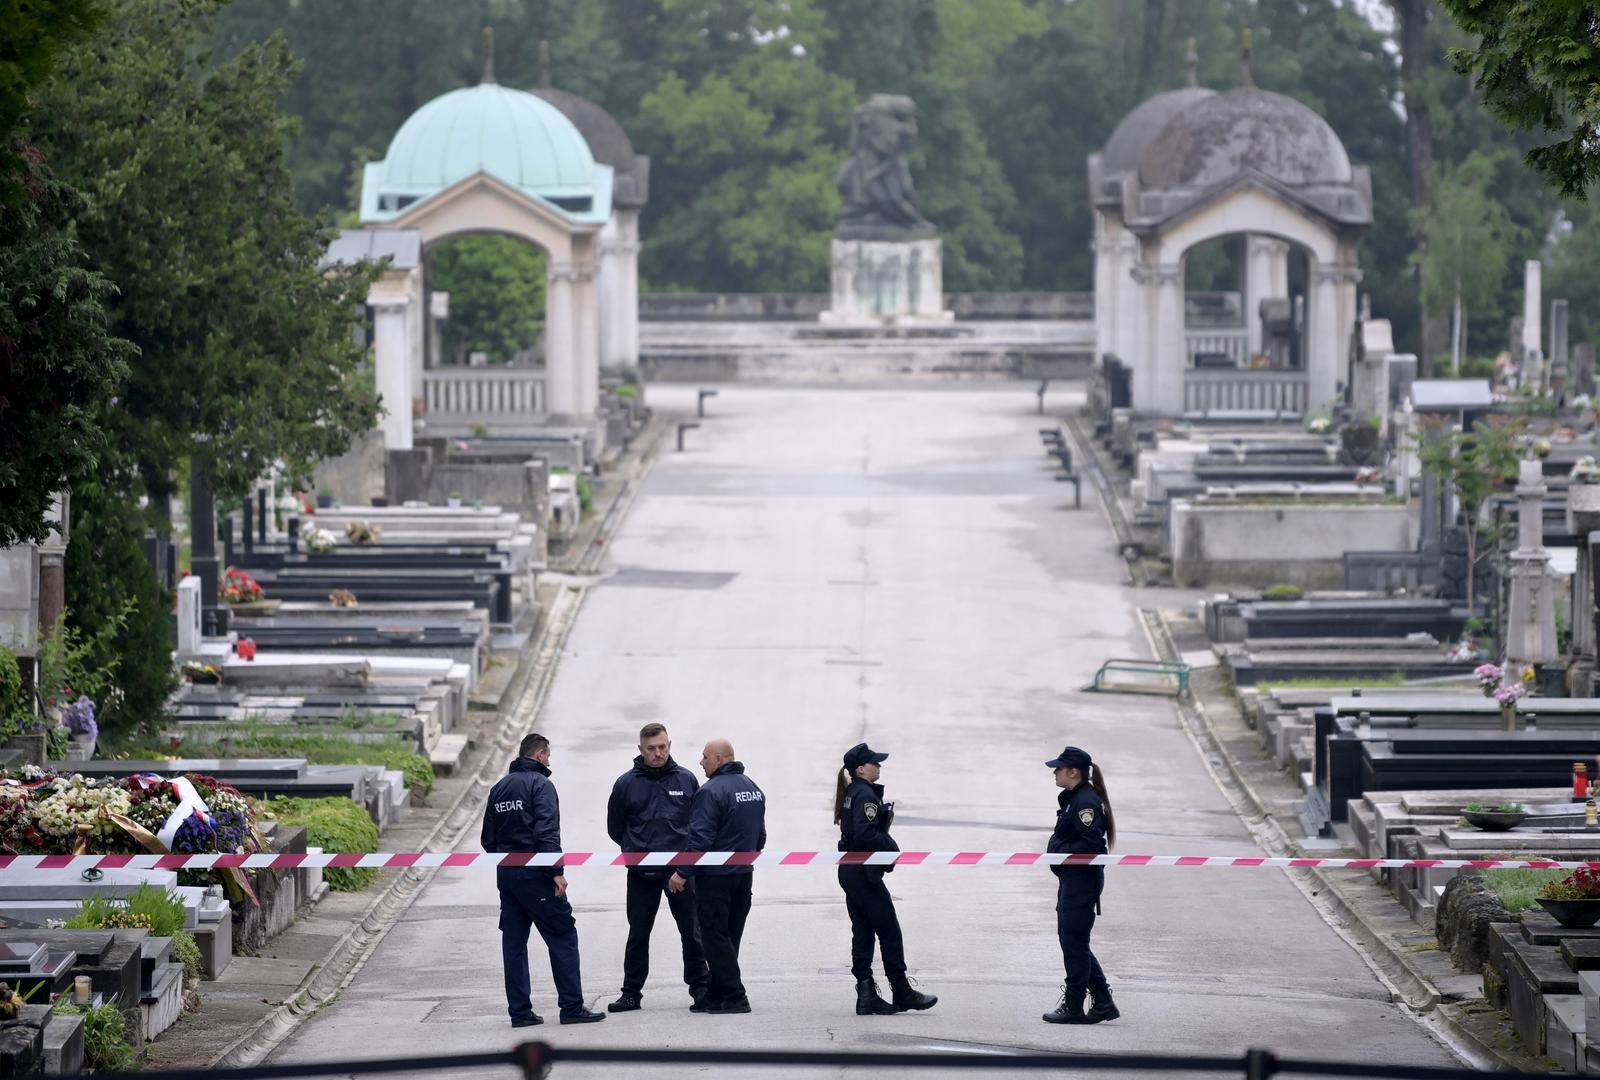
(571, 273)
(1337, 275)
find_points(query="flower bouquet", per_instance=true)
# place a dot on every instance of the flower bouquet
(200, 674)
(1583, 497)
(244, 594)
(320, 541)
(362, 532)
(1574, 901)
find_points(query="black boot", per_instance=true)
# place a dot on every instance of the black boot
(869, 1002)
(909, 997)
(1070, 1011)
(1101, 1007)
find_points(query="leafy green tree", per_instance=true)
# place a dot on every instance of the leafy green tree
(1538, 67)
(245, 343)
(59, 364)
(1467, 240)
(496, 286)
(1472, 464)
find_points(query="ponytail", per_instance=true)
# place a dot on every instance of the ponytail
(1097, 781)
(838, 796)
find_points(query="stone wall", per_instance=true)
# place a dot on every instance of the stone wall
(1244, 544)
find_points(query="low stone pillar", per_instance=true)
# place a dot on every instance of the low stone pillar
(888, 282)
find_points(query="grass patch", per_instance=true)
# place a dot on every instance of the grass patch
(1519, 889)
(105, 1037)
(334, 824)
(272, 741)
(1396, 679)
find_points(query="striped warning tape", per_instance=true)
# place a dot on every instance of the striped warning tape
(461, 859)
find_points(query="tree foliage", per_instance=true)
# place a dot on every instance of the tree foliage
(1538, 68)
(496, 285)
(1467, 239)
(245, 345)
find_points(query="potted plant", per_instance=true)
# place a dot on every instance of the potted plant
(1574, 901)
(1583, 497)
(1494, 818)
(244, 594)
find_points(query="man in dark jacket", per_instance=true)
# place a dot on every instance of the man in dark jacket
(729, 814)
(524, 816)
(649, 811)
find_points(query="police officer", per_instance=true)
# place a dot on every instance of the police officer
(1084, 826)
(649, 811)
(522, 816)
(864, 819)
(729, 814)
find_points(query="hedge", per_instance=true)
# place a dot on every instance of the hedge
(333, 824)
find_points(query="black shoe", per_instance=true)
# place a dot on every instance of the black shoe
(737, 1005)
(1070, 1011)
(530, 1021)
(582, 1016)
(1102, 1007)
(699, 1004)
(628, 1002)
(869, 1002)
(909, 997)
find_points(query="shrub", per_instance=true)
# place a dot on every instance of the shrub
(186, 951)
(628, 390)
(333, 824)
(105, 1037)
(259, 740)
(149, 906)
(1283, 592)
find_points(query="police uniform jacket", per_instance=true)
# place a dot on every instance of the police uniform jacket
(729, 814)
(864, 825)
(1080, 830)
(649, 808)
(523, 813)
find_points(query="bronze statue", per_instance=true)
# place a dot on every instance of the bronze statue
(879, 200)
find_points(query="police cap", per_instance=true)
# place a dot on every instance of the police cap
(862, 754)
(1071, 758)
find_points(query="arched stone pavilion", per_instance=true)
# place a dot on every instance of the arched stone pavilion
(1194, 166)
(491, 159)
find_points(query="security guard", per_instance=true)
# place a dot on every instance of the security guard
(1084, 826)
(524, 816)
(864, 819)
(649, 811)
(729, 814)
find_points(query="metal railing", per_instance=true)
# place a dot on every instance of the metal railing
(484, 393)
(1245, 389)
(534, 1060)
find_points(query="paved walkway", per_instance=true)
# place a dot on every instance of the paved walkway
(824, 566)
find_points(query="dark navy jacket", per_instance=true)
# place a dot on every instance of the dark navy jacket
(1080, 830)
(864, 825)
(649, 808)
(522, 813)
(729, 814)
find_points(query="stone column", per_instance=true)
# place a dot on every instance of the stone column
(560, 340)
(1532, 359)
(392, 360)
(1530, 631)
(1266, 276)
(586, 350)
(1168, 361)
(628, 262)
(608, 284)
(1128, 312)
(1104, 297)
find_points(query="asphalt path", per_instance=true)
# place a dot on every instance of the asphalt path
(823, 566)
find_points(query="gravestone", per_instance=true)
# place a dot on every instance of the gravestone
(1530, 357)
(189, 635)
(1583, 370)
(1559, 379)
(1531, 620)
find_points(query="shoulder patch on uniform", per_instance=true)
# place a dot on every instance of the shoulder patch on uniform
(870, 811)
(1086, 815)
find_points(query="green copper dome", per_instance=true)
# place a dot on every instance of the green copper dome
(513, 136)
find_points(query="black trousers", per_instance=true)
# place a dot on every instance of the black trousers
(722, 905)
(645, 889)
(872, 915)
(528, 901)
(1077, 897)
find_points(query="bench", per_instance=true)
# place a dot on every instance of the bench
(1166, 669)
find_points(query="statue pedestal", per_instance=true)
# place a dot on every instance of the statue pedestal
(887, 282)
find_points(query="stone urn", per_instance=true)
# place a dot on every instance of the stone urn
(1573, 914)
(1583, 509)
(1494, 820)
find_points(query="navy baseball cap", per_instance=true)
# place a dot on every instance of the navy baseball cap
(862, 754)
(1071, 758)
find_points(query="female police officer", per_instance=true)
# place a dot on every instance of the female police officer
(1084, 826)
(863, 819)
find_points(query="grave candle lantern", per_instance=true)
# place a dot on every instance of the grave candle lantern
(81, 988)
(1580, 780)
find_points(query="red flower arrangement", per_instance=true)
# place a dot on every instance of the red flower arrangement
(239, 587)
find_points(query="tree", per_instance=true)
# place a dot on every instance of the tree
(1467, 240)
(1538, 67)
(496, 286)
(245, 344)
(1472, 465)
(58, 362)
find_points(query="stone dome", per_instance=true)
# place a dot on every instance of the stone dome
(1216, 139)
(608, 142)
(1126, 147)
(516, 137)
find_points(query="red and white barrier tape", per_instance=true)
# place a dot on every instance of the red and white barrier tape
(457, 860)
